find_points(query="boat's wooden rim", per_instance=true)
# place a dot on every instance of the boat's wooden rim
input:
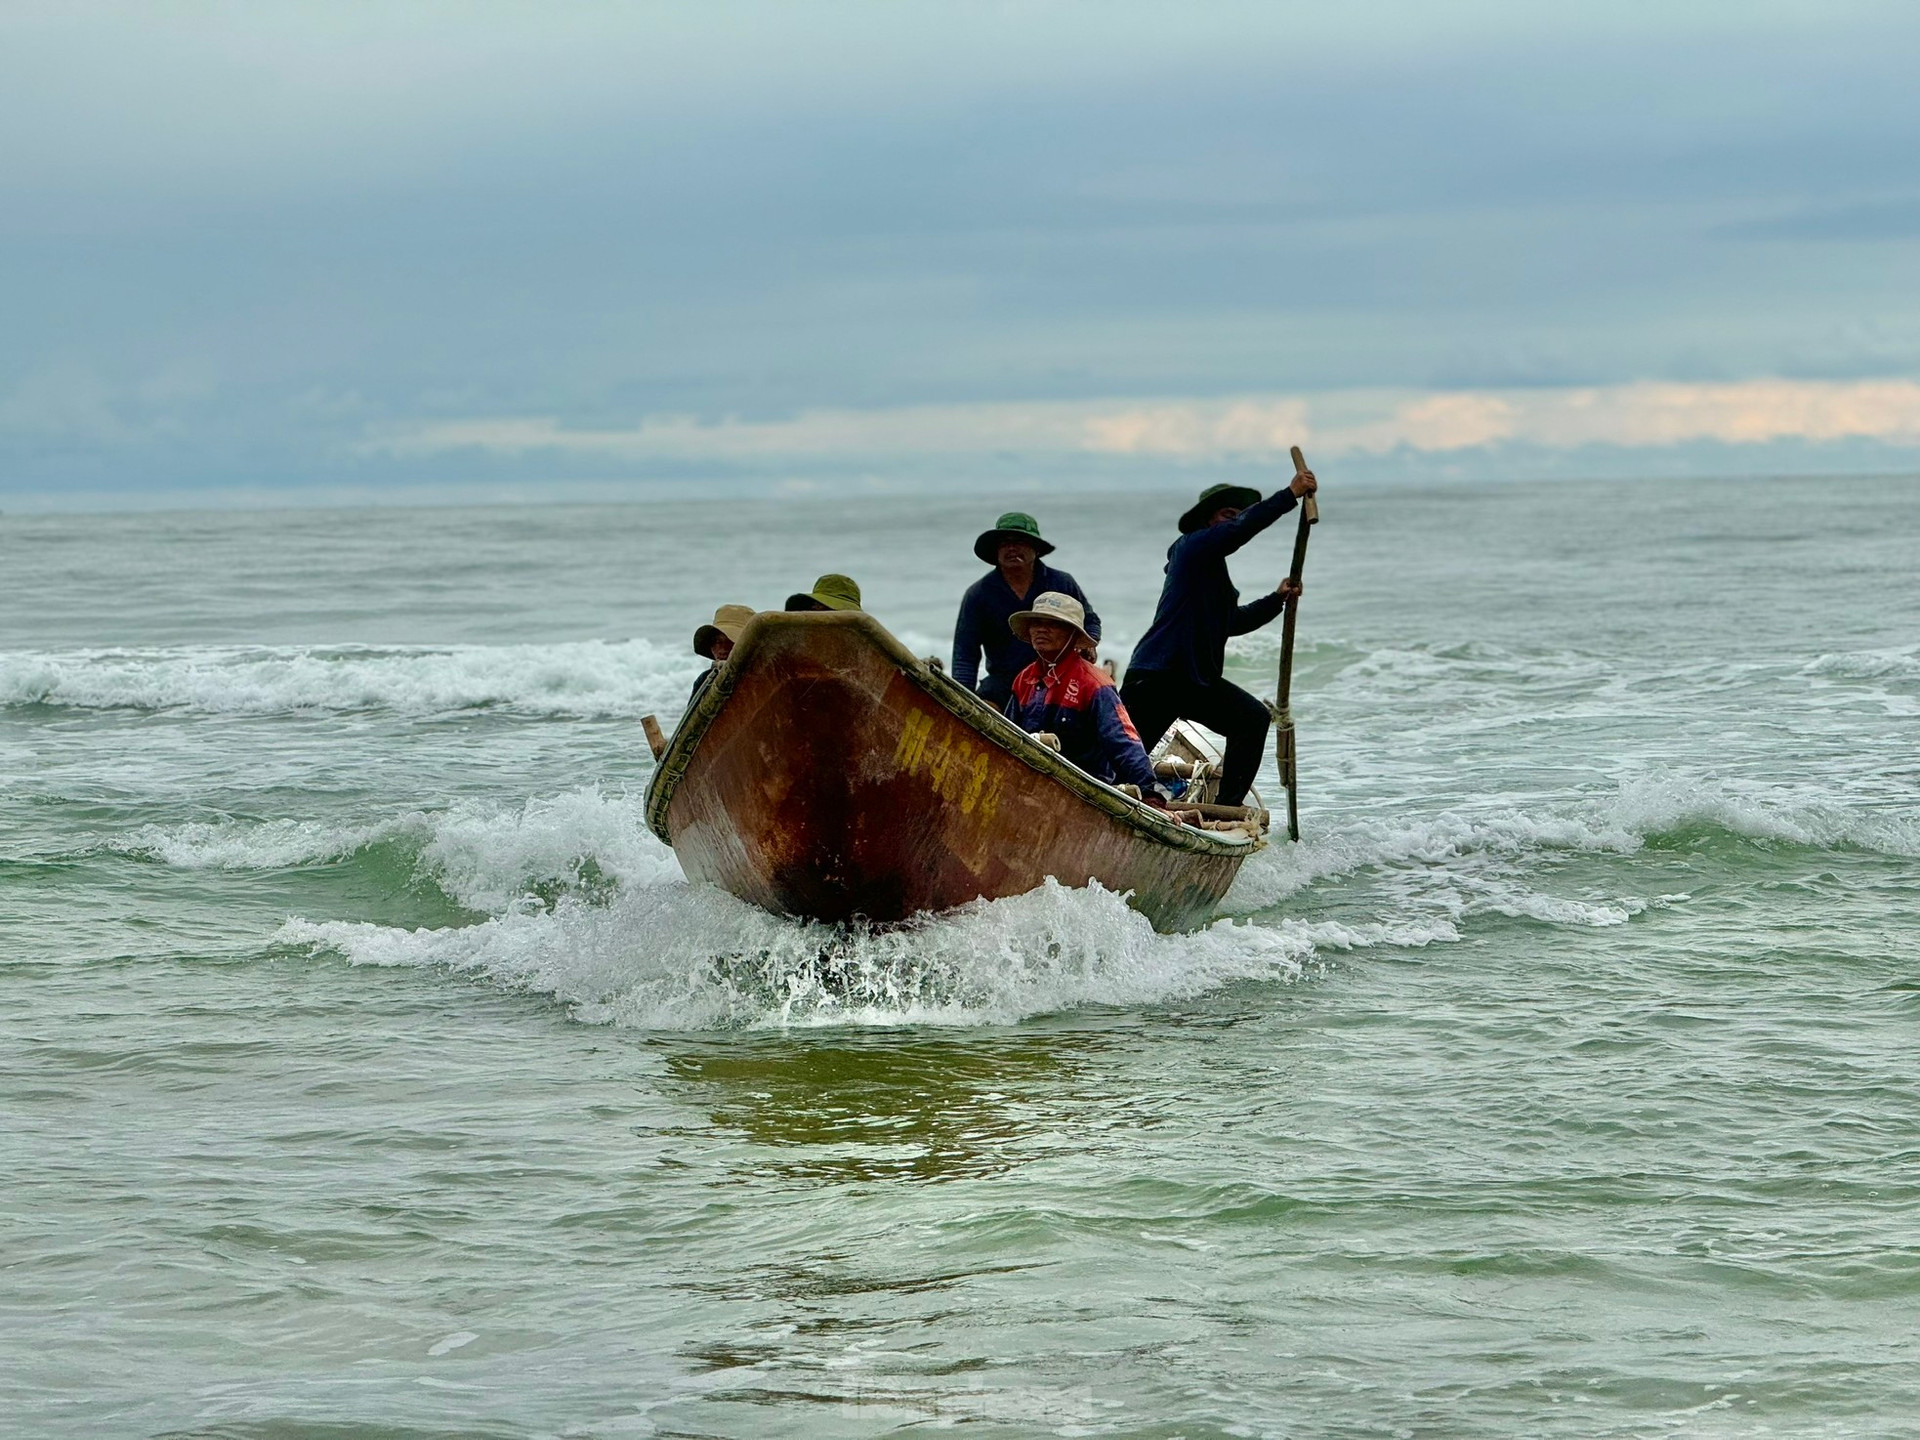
(951, 696)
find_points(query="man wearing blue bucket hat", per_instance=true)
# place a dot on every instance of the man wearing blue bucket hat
(1013, 547)
(1177, 668)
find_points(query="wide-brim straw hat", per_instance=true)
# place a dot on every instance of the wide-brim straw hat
(1213, 498)
(830, 592)
(728, 620)
(1016, 526)
(1054, 607)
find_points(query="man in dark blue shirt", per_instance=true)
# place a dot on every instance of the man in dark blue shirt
(1175, 673)
(1013, 547)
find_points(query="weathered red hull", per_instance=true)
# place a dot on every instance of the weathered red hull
(828, 774)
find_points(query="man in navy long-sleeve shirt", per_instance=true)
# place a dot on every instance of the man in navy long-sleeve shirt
(1013, 547)
(1176, 670)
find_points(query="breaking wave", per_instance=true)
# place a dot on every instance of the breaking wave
(1893, 664)
(586, 906)
(484, 858)
(586, 678)
(581, 903)
(264, 845)
(1414, 669)
(1475, 863)
(627, 678)
(1661, 804)
(678, 956)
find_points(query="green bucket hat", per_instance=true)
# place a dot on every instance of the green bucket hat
(830, 592)
(1014, 526)
(1213, 498)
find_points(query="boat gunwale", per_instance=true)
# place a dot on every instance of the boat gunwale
(950, 695)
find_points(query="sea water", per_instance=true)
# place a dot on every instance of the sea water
(369, 1070)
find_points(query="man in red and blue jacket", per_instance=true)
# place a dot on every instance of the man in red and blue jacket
(1061, 693)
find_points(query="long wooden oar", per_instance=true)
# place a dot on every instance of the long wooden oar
(1283, 740)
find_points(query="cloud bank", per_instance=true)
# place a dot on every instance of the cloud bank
(312, 247)
(1246, 427)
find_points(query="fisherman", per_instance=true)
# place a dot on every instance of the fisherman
(1175, 673)
(716, 642)
(1013, 547)
(1064, 694)
(830, 592)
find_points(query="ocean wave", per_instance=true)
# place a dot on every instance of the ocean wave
(589, 909)
(682, 957)
(1415, 669)
(484, 857)
(1451, 865)
(580, 843)
(595, 846)
(584, 905)
(587, 678)
(1890, 664)
(263, 845)
(1470, 858)
(1661, 804)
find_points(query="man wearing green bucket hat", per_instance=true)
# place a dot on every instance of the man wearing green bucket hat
(1013, 547)
(830, 592)
(1176, 670)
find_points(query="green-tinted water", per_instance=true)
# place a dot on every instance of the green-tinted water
(369, 1071)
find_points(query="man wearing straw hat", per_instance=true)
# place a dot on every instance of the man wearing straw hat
(716, 642)
(1176, 670)
(1064, 694)
(1013, 547)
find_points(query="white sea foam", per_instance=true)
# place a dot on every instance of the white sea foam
(581, 840)
(579, 678)
(264, 845)
(1416, 670)
(1890, 664)
(1888, 678)
(1468, 860)
(486, 857)
(587, 907)
(1441, 895)
(677, 956)
(1463, 864)
(1660, 802)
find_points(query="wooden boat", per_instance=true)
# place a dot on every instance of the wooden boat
(827, 773)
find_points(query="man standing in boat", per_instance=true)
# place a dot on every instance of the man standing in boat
(1013, 547)
(1176, 670)
(1065, 695)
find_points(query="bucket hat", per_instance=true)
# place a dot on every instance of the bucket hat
(728, 620)
(1016, 526)
(1055, 607)
(1213, 498)
(830, 592)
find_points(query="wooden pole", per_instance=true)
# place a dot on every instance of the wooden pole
(656, 742)
(1283, 738)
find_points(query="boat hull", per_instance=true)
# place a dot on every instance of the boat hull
(830, 775)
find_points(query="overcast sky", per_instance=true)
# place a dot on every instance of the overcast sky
(331, 249)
